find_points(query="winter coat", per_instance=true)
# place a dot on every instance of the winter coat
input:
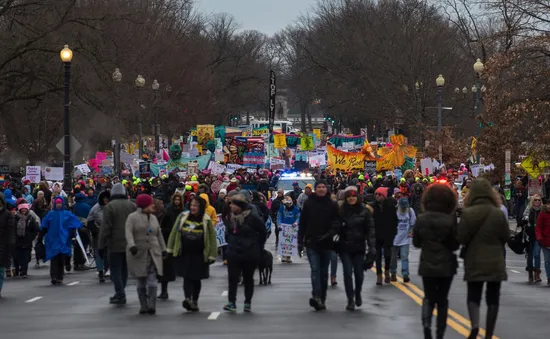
(192, 263)
(59, 226)
(275, 207)
(28, 198)
(245, 236)
(219, 205)
(543, 227)
(95, 218)
(385, 219)
(9, 199)
(143, 231)
(317, 223)
(435, 234)
(288, 216)
(483, 230)
(32, 229)
(301, 200)
(530, 217)
(356, 229)
(7, 233)
(112, 234)
(262, 209)
(81, 208)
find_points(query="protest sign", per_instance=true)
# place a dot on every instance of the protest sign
(33, 174)
(54, 173)
(216, 168)
(85, 169)
(288, 240)
(231, 168)
(344, 161)
(220, 232)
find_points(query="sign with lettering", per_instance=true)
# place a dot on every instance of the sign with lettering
(344, 161)
(220, 232)
(33, 174)
(288, 240)
(370, 168)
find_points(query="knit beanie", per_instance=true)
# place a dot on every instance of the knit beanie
(349, 191)
(320, 182)
(118, 189)
(144, 200)
(240, 200)
(382, 191)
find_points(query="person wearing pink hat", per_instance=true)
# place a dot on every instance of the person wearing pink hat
(145, 250)
(26, 230)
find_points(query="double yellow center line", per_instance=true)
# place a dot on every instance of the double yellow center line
(454, 320)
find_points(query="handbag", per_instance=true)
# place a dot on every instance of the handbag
(517, 243)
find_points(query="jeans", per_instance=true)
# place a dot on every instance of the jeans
(319, 262)
(352, 264)
(385, 245)
(333, 264)
(403, 251)
(99, 261)
(546, 253)
(2, 277)
(119, 272)
(235, 268)
(492, 295)
(533, 255)
(21, 258)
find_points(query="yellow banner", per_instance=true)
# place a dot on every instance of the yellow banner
(306, 142)
(260, 131)
(205, 133)
(384, 164)
(279, 140)
(317, 132)
(344, 161)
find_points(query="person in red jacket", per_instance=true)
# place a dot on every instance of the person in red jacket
(542, 231)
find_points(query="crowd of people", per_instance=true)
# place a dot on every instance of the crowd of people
(161, 228)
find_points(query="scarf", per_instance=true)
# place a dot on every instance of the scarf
(238, 219)
(22, 225)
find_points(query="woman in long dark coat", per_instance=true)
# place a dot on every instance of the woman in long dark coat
(170, 216)
(193, 245)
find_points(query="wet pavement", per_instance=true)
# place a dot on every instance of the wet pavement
(32, 308)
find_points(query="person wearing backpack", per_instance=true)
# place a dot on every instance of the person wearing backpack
(402, 241)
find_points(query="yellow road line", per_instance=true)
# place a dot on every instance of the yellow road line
(410, 288)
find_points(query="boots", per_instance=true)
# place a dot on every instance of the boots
(393, 277)
(387, 278)
(142, 295)
(537, 275)
(163, 291)
(427, 310)
(473, 311)
(101, 276)
(492, 314)
(379, 279)
(442, 309)
(531, 278)
(351, 305)
(152, 300)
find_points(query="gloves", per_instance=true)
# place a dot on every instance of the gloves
(133, 250)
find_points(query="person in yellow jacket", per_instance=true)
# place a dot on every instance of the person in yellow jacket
(210, 211)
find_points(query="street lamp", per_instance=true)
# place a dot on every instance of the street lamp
(66, 57)
(440, 82)
(478, 89)
(156, 126)
(117, 78)
(140, 82)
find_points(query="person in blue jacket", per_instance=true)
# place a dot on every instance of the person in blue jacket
(58, 228)
(288, 214)
(81, 210)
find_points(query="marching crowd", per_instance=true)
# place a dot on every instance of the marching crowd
(160, 228)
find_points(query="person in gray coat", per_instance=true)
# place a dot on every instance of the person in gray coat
(112, 239)
(146, 248)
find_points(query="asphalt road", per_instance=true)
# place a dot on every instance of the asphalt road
(32, 308)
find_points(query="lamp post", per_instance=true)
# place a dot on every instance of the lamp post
(478, 69)
(440, 82)
(156, 126)
(66, 57)
(117, 78)
(140, 82)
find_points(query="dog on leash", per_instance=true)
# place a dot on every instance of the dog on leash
(266, 267)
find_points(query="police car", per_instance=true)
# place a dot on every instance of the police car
(286, 180)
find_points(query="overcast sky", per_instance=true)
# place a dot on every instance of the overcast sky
(267, 16)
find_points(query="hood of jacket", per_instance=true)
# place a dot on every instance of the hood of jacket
(29, 190)
(481, 192)
(206, 198)
(54, 205)
(80, 197)
(102, 196)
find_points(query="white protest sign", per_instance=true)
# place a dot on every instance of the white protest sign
(33, 174)
(427, 166)
(83, 168)
(231, 168)
(219, 156)
(277, 163)
(288, 240)
(216, 168)
(220, 232)
(54, 173)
